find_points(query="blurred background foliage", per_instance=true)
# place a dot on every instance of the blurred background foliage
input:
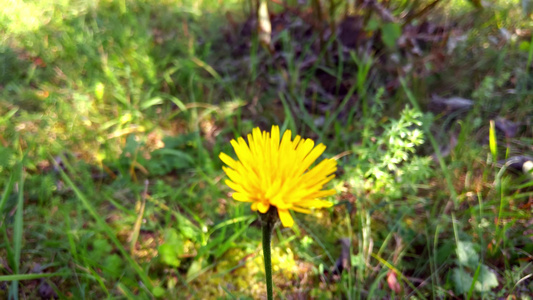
(113, 113)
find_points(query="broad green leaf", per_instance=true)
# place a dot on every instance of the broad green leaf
(467, 255)
(101, 248)
(461, 280)
(390, 32)
(357, 260)
(444, 252)
(524, 46)
(113, 265)
(194, 269)
(99, 89)
(158, 292)
(169, 255)
(486, 280)
(172, 248)
(372, 25)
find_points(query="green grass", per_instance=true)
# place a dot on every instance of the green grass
(113, 113)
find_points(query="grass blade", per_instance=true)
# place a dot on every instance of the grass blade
(7, 191)
(19, 221)
(473, 285)
(107, 230)
(18, 277)
(137, 227)
(398, 273)
(18, 231)
(493, 144)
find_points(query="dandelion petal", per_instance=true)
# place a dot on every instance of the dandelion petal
(273, 170)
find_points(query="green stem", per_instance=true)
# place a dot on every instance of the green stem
(268, 220)
(267, 236)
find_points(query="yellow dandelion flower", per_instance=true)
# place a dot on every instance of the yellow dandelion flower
(269, 172)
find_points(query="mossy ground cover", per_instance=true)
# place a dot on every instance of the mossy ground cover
(113, 113)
